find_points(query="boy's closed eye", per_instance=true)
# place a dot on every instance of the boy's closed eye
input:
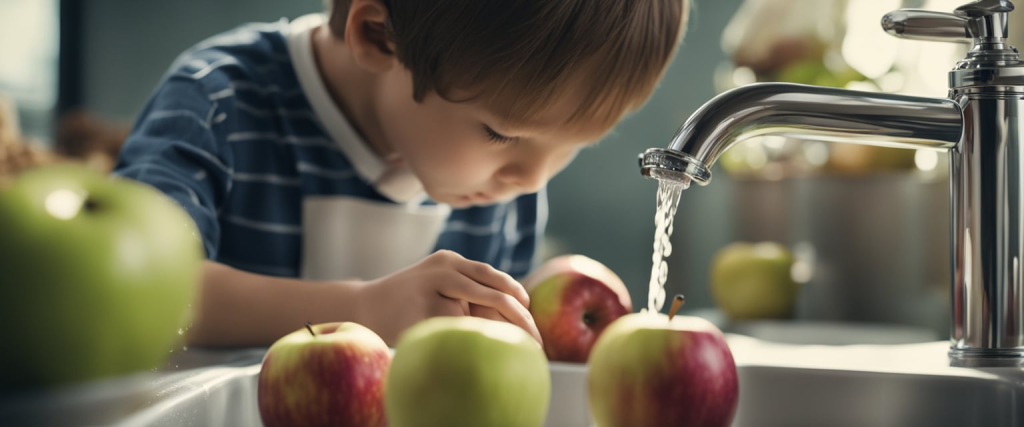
(498, 138)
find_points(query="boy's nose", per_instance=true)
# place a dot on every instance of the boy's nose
(528, 177)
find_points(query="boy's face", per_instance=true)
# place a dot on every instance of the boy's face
(464, 156)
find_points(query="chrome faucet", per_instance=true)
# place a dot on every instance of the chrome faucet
(979, 126)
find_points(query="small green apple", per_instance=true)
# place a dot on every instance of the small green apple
(98, 274)
(467, 371)
(754, 281)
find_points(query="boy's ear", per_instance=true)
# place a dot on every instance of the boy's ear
(367, 36)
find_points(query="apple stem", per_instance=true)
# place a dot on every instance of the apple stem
(676, 303)
(310, 328)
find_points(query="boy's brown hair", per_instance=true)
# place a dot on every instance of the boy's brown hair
(520, 56)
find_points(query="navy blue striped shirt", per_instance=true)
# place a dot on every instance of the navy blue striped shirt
(232, 136)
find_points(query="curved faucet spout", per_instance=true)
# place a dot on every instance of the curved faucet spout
(809, 112)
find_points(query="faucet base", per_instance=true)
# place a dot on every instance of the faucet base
(986, 358)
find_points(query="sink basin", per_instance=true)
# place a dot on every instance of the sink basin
(870, 385)
(811, 331)
(780, 385)
(832, 333)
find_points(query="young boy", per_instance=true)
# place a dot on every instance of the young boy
(386, 162)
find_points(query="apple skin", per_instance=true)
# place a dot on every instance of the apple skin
(649, 371)
(754, 281)
(467, 372)
(336, 378)
(572, 299)
(98, 274)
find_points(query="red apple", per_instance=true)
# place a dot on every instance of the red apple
(572, 299)
(647, 370)
(332, 374)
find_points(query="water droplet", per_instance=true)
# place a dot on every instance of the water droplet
(184, 348)
(180, 331)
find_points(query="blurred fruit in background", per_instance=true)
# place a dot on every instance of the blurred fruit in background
(467, 372)
(10, 131)
(835, 43)
(84, 137)
(80, 138)
(331, 374)
(863, 159)
(876, 217)
(98, 276)
(16, 153)
(754, 281)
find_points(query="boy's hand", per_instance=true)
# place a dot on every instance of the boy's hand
(443, 284)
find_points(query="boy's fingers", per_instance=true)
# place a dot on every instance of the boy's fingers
(486, 313)
(450, 307)
(497, 279)
(505, 305)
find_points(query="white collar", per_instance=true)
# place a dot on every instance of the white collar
(398, 184)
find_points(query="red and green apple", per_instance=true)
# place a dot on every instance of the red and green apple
(573, 298)
(330, 374)
(649, 370)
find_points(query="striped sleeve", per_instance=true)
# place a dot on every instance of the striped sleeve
(175, 149)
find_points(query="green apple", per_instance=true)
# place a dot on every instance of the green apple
(332, 374)
(467, 371)
(650, 370)
(754, 281)
(98, 274)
